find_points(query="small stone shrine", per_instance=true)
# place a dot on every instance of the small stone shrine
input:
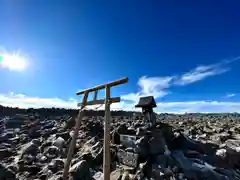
(147, 104)
(140, 145)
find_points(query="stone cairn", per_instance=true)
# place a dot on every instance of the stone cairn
(143, 144)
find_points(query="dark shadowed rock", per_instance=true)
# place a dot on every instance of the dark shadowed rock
(30, 148)
(80, 170)
(70, 123)
(34, 132)
(5, 153)
(32, 169)
(64, 135)
(6, 173)
(56, 165)
(156, 143)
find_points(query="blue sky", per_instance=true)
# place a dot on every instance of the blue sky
(185, 53)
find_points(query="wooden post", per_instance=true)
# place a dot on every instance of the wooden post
(108, 100)
(74, 138)
(106, 151)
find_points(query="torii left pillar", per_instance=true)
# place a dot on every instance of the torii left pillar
(107, 101)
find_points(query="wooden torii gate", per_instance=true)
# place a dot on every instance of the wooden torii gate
(107, 101)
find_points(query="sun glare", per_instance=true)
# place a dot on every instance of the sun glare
(13, 62)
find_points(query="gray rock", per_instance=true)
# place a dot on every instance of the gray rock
(45, 145)
(59, 142)
(37, 142)
(52, 152)
(30, 148)
(43, 159)
(28, 158)
(70, 123)
(80, 170)
(56, 165)
(98, 176)
(64, 135)
(116, 175)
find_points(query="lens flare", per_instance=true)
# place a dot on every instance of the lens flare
(14, 62)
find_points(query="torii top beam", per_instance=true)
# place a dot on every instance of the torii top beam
(110, 84)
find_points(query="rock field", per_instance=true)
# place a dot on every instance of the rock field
(194, 147)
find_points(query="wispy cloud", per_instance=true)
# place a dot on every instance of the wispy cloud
(230, 95)
(202, 72)
(150, 86)
(159, 86)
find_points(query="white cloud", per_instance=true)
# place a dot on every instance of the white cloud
(150, 86)
(203, 71)
(153, 84)
(199, 106)
(23, 101)
(200, 73)
(230, 95)
(131, 97)
(159, 86)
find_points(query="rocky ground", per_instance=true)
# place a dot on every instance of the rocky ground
(35, 147)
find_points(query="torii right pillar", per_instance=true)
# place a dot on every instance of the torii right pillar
(147, 104)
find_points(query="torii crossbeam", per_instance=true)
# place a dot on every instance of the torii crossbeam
(107, 101)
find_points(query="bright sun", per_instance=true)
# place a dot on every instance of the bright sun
(13, 62)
